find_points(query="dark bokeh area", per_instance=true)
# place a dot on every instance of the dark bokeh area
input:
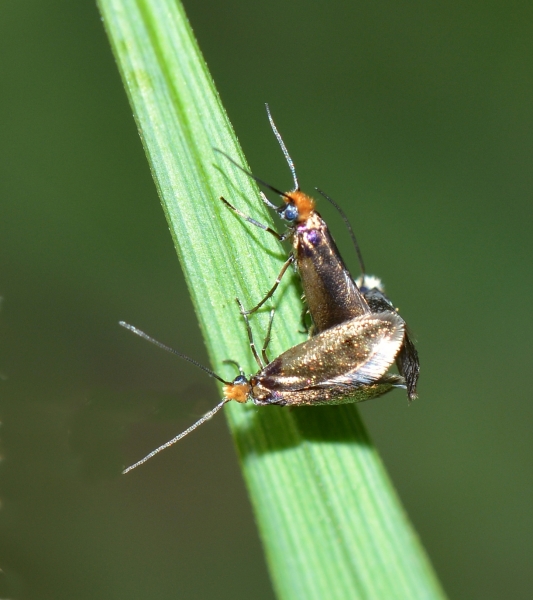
(417, 118)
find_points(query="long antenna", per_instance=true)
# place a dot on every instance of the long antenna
(205, 418)
(171, 350)
(283, 149)
(260, 181)
(350, 229)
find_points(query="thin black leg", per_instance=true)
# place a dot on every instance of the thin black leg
(267, 339)
(250, 335)
(253, 221)
(286, 265)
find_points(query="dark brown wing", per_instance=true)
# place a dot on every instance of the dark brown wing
(409, 365)
(331, 295)
(358, 352)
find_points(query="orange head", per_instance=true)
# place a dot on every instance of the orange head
(304, 204)
(238, 390)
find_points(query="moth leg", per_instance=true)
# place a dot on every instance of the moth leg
(286, 265)
(303, 320)
(267, 338)
(267, 202)
(250, 335)
(253, 221)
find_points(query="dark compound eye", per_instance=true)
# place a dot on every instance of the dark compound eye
(240, 380)
(290, 213)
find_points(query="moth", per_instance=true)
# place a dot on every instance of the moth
(331, 295)
(346, 363)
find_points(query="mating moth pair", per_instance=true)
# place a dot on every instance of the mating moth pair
(356, 333)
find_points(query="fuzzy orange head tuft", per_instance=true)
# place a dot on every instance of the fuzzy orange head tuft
(237, 391)
(304, 203)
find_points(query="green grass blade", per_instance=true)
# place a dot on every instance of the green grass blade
(330, 521)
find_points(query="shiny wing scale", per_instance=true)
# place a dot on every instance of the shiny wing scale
(331, 295)
(358, 352)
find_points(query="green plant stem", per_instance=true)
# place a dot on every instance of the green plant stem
(330, 521)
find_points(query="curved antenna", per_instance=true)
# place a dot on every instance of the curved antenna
(283, 149)
(352, 234)
(260, 181)
(171, 350)
(205, 418)
(229, 361)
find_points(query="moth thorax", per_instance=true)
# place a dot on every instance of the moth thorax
(237, 391)
(304, 203)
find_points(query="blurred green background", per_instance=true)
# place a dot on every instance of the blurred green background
(417, 118)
